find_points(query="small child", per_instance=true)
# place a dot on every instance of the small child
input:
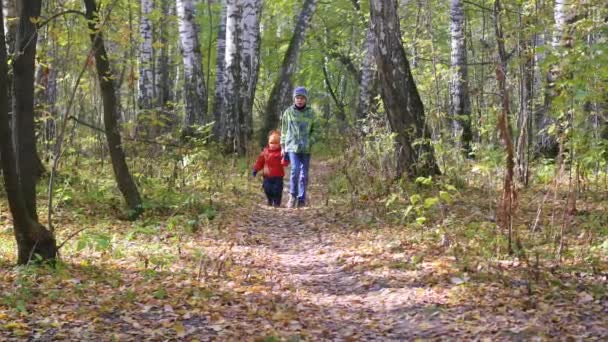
(271, 161)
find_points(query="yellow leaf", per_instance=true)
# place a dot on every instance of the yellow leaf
(179, 329)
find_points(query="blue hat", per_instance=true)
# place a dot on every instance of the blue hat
(300, 91)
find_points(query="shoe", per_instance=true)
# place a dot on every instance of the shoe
(302, 203)
(293, 202)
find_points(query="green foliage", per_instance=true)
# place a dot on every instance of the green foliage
(97, 241)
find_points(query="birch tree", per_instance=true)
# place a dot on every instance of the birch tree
(250, 61)
(400, 96)
(195, 94)
(368, 77)
(242, 66)
(460, 102)
(563, 13)
(146, 76)
(230, 119)
(280, 95)
(220, 75)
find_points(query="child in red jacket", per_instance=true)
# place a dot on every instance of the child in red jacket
(271, 161)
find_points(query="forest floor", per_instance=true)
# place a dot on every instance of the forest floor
(270, 274)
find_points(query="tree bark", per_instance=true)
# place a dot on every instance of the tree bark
(563, 14)
(220, 76)
(526, 90)
(399, 93)
(125, 182)
(162, 70)
(504, 215)
(280, 95)
(195, 92)
(146, 82)
(29, 166)
(250, 62)
(32, 238)
(230, 116)
(368, 79)
(242, 66)
(460, 102)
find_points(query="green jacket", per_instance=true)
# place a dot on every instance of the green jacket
(297, 128)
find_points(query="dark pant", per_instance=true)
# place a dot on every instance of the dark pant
(273, 188)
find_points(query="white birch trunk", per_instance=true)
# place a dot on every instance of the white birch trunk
(220, 76)
(232, 77)
(368, 76)
(195, 94)
(146, 80)
(249, 43)
(460, 103)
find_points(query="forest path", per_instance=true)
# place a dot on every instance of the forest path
(314, 257)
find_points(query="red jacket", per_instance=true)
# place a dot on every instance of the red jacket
(271, 161)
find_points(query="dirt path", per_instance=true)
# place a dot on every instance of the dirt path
(350, 282)
(310, 256)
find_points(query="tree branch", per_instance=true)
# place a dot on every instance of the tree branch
(95, 128)
(52, 17)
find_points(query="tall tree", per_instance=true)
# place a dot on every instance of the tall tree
(242, 66)
(162, 70)
(504, 216)
(126, 185)
(250, 61)
(29, 166)
(460, 102)
(195, 93)
(526, 47)
(280, 96)
(220, 75)
(563, 13)
(230, 115)
(368, 78)
(401, 99)
(146, 62)
(32, 238)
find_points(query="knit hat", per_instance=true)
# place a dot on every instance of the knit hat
(300, 91)
(274, 137)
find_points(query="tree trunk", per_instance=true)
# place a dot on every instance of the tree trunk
(110, 116)
(526, 90)
(230, 115)
(146, 64)
(29, 166)
(242, 66)
(280, 96)
(368, 79)
(504, 215)
(563, 14)
(220, 76)
(195, 93)
(399, 93)
(162, 70)
(32, 238)
(460, 103)
(250, 63)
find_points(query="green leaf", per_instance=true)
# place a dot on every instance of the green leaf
(430, 202)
